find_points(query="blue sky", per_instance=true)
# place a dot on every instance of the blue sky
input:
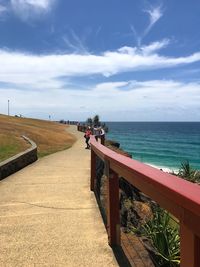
(131, 60)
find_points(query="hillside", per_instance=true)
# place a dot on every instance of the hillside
(49, 136)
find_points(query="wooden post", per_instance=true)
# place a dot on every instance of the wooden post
(93, 170)
(113, 218)
(190, 247)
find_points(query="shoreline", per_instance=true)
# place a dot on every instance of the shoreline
(163, 168)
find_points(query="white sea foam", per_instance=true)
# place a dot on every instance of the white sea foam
(165, 169)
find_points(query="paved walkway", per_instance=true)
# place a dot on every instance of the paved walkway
(48, 216)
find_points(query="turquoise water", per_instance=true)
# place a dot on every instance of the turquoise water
(163, 144)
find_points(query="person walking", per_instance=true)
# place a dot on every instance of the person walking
(97, 132)
(87, 137)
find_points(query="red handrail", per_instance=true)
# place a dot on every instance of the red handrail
(178, 196)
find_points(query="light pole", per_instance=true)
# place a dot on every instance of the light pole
(8, 107)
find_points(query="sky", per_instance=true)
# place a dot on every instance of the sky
(130, 60)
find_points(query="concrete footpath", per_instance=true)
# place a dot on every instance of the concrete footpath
(49, 217)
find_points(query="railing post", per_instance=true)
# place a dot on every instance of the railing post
(93, 170)
(113, 218)
(190, 247)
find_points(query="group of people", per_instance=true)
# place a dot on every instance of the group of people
(96, 131)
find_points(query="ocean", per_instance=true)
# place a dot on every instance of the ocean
(164, 145)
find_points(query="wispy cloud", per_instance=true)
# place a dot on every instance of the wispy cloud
(154, 47)
(136, 35)
(29, 9)
(3, 9)
(98, 30)
(74, 42)
(154, 14)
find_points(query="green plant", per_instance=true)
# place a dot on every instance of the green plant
(89, 121)
(188, 173)
(164, 238)
(95, 122)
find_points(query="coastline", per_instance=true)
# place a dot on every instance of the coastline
(163, 168)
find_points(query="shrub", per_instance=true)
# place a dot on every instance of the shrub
(164, 238)
(188, 173)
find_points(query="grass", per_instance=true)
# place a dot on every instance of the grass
(50, 137)
(11, 145)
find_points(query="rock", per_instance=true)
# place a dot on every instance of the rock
(134, 213)
(115, 147)
(129, 190)
(112, 143)
(143, 210)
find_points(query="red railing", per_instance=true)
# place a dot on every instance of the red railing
(181, 198)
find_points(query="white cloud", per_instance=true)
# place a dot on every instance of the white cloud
(154, 47)
(155, 13)
(125, 100)
(32, 79)
(44, 4)
(27, 68)
(3, 10)
(27, 9)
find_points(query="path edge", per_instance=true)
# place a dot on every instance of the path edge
(19, 161)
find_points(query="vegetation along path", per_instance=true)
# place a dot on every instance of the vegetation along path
(48, 216)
